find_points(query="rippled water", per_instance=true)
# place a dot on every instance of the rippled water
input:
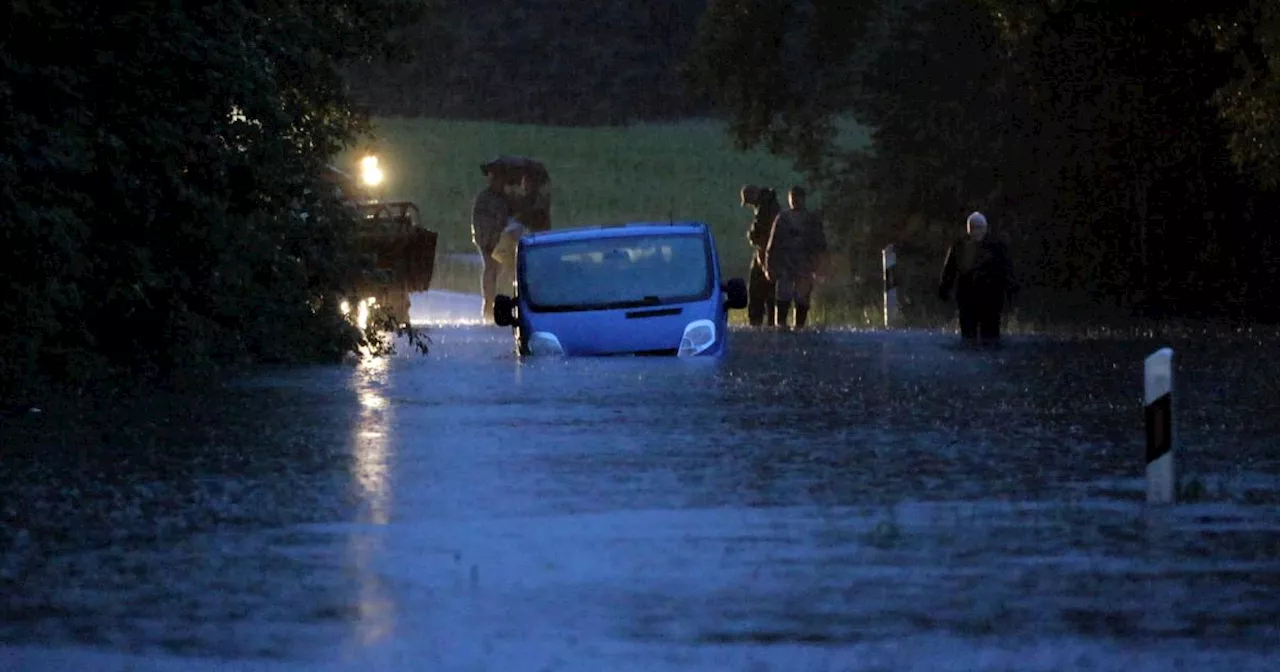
(824, 501)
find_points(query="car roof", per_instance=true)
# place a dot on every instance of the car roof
(615, 231)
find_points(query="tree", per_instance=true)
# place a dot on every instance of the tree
(1249, 30)
(1083, 126)
(561, 62)
(155, 160)
(784, 71)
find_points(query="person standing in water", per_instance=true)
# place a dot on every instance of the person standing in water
(490, 213)
(977, 268)
(793, 259)
(760, 290)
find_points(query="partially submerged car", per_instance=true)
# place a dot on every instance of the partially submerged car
(645, 288)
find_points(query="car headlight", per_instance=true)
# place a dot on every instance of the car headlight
(544, 343)
(698, 336)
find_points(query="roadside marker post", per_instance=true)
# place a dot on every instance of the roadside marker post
(1161, 437)
(892, 311)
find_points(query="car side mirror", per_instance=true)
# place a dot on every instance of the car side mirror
(504, 311)
(737, 291)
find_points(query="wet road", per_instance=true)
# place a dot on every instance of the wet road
(821, 501)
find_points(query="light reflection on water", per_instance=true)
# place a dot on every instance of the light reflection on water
(370, 459)
(370, 471)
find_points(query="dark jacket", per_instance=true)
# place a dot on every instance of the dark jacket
(796, 244)
(976, 269)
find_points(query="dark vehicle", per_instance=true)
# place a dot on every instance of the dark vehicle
(399, 248)
(402, 252)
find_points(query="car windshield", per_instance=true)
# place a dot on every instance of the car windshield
(617, 272)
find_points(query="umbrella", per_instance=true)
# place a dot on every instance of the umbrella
(512, 166)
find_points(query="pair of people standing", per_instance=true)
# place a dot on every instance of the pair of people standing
(790, 247)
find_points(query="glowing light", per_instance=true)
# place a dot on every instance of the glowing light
(370, 173)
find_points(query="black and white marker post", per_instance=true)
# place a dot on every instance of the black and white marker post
(1158, 387)
(891, 312)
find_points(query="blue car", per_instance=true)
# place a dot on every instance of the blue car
(637, 289)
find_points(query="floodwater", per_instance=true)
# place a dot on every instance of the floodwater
(816, 501)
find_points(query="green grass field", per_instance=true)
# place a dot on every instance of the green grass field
(688, 170)
(685, 170)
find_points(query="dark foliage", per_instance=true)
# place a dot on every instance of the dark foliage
(156, 162)
(562, 62)
(1115, 144)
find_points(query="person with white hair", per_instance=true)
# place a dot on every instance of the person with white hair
(978, 269)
